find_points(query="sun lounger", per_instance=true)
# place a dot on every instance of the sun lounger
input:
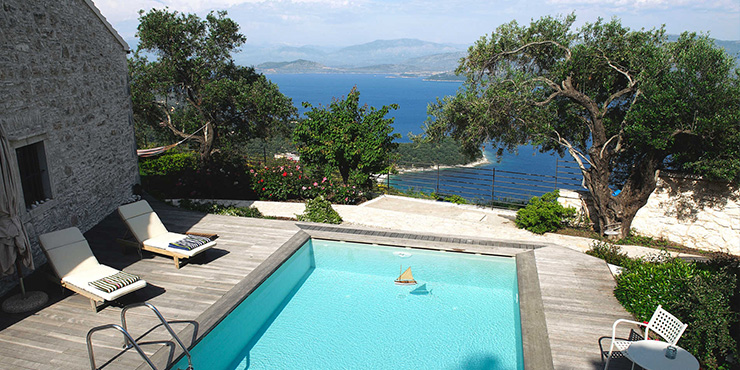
(72, 260)
(153, 236)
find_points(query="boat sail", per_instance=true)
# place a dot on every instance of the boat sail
(406, 278)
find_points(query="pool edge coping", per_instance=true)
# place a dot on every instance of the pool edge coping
(217, 312)
(535, 340)
(536, 349)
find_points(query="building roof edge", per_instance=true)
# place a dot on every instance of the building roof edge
(107, 25)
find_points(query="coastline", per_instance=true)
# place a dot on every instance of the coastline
(482, 161)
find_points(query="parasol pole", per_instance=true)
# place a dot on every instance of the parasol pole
(20, 276)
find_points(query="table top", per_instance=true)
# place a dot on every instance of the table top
(650, 354)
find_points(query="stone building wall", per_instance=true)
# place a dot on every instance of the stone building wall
(64, 82)
(693, 212)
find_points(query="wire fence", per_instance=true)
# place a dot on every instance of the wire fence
(484, 185)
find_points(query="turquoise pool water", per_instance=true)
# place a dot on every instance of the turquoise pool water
(334, 305)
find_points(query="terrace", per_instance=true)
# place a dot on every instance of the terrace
(574, 308)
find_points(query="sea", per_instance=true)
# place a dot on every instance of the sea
(413, 95)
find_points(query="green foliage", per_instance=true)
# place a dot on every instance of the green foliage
(168, 164)
(699, 294)
(287, 180)
(453, 199)
(624, 101)
(611, 254)
(446, 152)
(194, 83)
(352, 139)
(646, 241)
(181, 175)
(320, 210)
(215, 208)
(544, 214)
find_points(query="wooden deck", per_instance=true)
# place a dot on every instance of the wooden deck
(576, 292)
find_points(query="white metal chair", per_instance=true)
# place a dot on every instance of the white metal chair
(667, 326)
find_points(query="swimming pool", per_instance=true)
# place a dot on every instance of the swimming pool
(333, 305)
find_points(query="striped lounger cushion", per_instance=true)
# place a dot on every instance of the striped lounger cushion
(115, 281)
(190, 242)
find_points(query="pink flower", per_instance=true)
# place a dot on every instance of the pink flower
(315, 184)
(346, 199)
(251, 171)
(324, 180)
(303, 188)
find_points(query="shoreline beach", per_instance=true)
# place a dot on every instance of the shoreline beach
(480, 162)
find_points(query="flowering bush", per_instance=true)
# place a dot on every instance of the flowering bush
(280, 182)
(287, 180)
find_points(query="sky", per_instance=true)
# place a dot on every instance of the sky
(462, 22)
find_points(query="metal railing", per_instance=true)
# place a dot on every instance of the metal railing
(486, 186)
(129, 341)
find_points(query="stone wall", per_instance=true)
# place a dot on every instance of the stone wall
(64, 81)
(693, 212)
(696, 213)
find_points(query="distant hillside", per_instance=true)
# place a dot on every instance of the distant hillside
(400, 56)
(437, 62)
(379, 52)
(296, 66)
(391, 51)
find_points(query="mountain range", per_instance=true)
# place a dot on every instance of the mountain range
(381, 56)
(400, 56)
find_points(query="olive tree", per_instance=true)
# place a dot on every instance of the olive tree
(192, 82)
(623, 103)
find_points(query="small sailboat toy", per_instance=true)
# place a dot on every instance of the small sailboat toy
(406, 278)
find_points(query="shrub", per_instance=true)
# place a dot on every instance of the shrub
(168, 164)
(699, 294)
(279, 182)
(544, 214)
(320, 210)
(641, 289)
(612, 254)
(181, 175)
(454, 199)
(215, 208)
(287, 180)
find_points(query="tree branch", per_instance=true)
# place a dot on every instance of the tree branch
(538, 43)
(614, 67)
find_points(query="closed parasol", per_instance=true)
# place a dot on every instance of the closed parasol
(15, 248)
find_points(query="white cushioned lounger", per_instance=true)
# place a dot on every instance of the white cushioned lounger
(152, 235)
(71, 258)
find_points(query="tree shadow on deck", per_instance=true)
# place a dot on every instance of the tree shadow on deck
(102, 237)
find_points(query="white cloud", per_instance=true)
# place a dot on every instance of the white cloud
(727, 5)
(117, 10)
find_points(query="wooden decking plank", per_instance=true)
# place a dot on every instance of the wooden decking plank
(576, 292)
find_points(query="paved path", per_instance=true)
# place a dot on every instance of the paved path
(420, 215)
